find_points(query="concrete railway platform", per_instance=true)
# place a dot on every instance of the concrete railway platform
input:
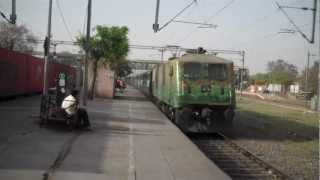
(130, 140)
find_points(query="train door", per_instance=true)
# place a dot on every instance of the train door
(164, 83)
(150, 83)
(160, 82)
(170, 82)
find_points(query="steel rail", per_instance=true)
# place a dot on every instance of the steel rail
(236, 161)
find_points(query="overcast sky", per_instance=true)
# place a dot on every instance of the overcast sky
(250, 25)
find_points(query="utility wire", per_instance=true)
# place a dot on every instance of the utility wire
(63, 19)
(179, 13)
(210, 18)
(172, 34)
(220, 10)
(265, 18)
(293, 23)
(258, 20)
(5, 17)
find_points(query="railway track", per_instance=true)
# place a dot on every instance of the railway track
(237, 162)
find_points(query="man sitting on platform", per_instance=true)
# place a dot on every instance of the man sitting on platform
(70, 106)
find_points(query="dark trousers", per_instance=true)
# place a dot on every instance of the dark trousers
(82, 118)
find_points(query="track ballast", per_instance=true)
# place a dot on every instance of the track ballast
(237, 162)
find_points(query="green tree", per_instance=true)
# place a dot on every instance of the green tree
(281, 72)
(109, 47)
(17, 38)
(260, 78)
(122, 68)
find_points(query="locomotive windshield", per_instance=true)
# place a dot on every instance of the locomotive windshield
(217, 72)
(192, 71)
(195, 71)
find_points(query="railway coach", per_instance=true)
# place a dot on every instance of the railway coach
(22, 74)
(195, 90)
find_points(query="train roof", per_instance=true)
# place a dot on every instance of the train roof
(203, 58)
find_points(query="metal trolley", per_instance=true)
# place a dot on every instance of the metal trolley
(51, 111)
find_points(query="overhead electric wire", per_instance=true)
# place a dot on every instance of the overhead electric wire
(179, 13)
(4, 17)
(64, 21)
(258, 20)
(210, 18)
(172, 34)
(293, 23)
(265, 18)
(220, 10)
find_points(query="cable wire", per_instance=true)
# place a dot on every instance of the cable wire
(210, 18)
(220, 10)
(293, 23)
(64, 21)
(179, 13)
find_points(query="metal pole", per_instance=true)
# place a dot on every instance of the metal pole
(318, 104)
(307, 73)
(46, 62)
(241, 73)
(314, 16)
(85, 83)
(162, 50)
(306, 79)
(156, 24)
(13, 16)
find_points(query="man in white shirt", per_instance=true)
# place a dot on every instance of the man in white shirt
(70, 105)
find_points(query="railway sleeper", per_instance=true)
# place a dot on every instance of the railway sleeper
(245, 171)
(252, 175)
(214, 149)
(257, 169)
(236, 166)
(235, 159)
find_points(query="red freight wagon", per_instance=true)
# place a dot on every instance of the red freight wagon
(34, 75)
(23, 74)
(12, 73)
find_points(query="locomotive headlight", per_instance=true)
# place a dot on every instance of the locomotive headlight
(205, 88)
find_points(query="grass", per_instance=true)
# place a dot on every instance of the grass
(287, 137)
(273, 118)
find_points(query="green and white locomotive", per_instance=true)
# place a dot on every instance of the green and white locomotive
(195, 90)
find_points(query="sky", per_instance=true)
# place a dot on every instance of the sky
(249, 25)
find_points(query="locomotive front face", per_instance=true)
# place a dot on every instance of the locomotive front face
(208, 84)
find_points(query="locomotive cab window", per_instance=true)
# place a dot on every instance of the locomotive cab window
(195, 71)
(191, 70)
(217, 72)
